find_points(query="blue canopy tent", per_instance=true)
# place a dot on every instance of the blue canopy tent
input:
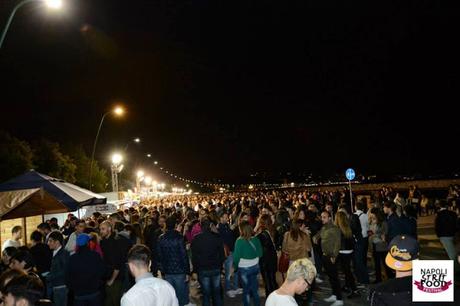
(72, 196)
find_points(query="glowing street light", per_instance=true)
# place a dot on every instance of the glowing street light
(118, 111)
(53, 4)
(117, 159)
(140, 174)
(149, 155)
(137, 140)
(155, 162)
(148, 180)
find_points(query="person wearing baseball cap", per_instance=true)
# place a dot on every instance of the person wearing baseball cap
(300, 277)
(402, 250)
(86, 273)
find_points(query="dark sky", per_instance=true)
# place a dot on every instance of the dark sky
(222, 89)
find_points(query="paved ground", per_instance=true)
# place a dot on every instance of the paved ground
(430, 249)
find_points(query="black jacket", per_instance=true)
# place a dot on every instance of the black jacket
(207, 252)
(57, 276)
(227, 236)
(396, 291)
(445, 223)
(86, 272)
(113, 256)
(42, 256)
(269, 258)
(172, 255)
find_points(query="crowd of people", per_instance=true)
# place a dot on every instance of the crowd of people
(151, 254)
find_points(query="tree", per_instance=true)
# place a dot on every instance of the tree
(49, 160)
(83, 163)
(16, 156)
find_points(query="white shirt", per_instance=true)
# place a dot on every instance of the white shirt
(72, 243)
(149, 291)
(275, 299)
(10, 243)
(364, 222)
(56, 251)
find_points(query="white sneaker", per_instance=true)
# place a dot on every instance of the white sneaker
(330, 299)
(239, 291)
(231, 293)
(337, 303)
(319, 280)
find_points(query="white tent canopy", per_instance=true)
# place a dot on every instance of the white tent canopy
(28, 202)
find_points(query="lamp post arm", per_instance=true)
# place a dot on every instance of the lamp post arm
(10, 18)
(94, 150)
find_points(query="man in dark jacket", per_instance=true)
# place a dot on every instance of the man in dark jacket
(40, 252)
(86, 274)
(445, 227)
(113, 259)
(124, 244)
(228, 237)
(207, 258)
(173, 261)
(397, 291)
(57, 276)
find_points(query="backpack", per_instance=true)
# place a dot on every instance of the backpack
(356, 228)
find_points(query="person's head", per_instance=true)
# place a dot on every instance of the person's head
(105, 229)
(22, 261)
(341, 220)
(245, 230)
(361, 206)
(326, 217)
(114, 218)
(224, 218)
(300, 215)
(44, 228)
(202, 214)
(329, 207)
(170, 223)
(5, 278)
(7, 254)
(162, 221)
(55, 240)
(265, 223)
(24, 290)
(16, 232)
(389, 208)
(139, 257)
(295, 229)
(53, 220)
(80, 226)
(36, 237)
(376, 215)
(119, 227)
(402, 250)
(300, 276)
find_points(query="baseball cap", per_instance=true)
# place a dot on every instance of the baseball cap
(401, 251)
(83, 239)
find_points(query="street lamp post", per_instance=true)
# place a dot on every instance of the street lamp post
(116, 168)
(54, 4)
(139, 178)
(117, 111)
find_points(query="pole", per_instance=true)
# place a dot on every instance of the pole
(115, 178)
(351, 196)
(10, 19)
(94, 150)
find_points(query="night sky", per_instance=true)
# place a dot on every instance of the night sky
(224, 89)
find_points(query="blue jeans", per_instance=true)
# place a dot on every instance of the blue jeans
(248, 277)
(228, 268)
(449, 246)
(60, 296)
(210, 287)
(180, 286)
